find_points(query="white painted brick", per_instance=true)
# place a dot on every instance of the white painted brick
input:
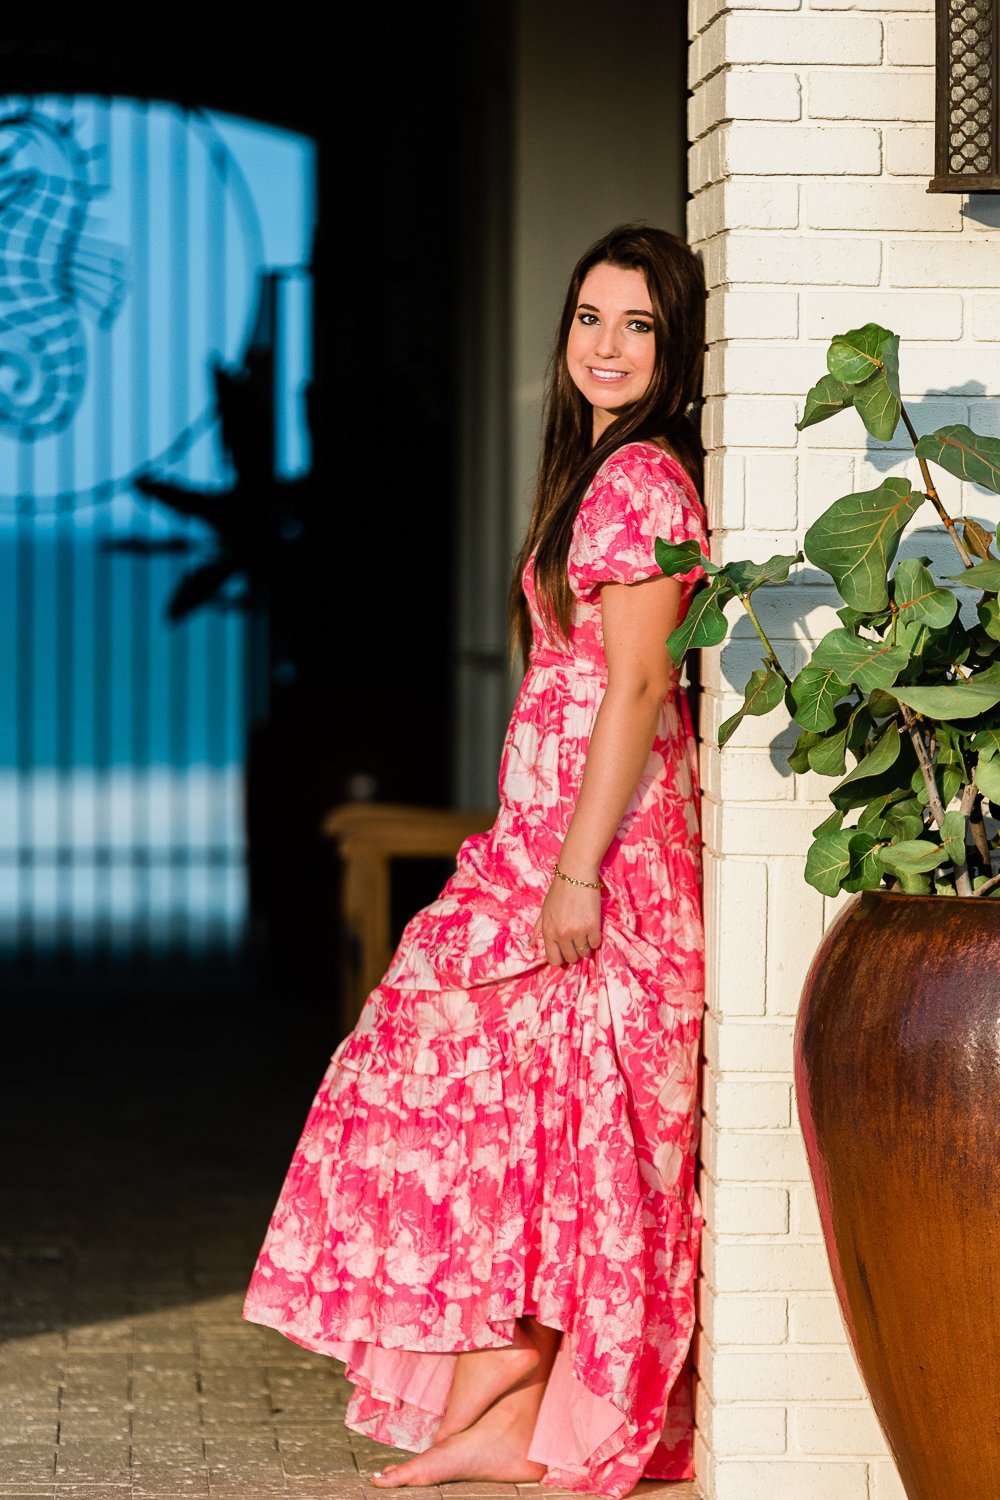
(708, 53)
(815, 1319)
(750, 422)
(943, 263)
(795, 928)
(771, 490)
(909, 152)
(885, 1481)
(881, 205)
(909, 41)
(784, 1479)
(830, 1430)
(913, 315)
(754, 368)
(785, 829)
(748, 315)
(749, 1047)
(739, 965)
(771, 731)
(736, 772)
(822, 260)
(802, 39)
(789, 150)
(986, 318)
(937, 371)
(754, 1155)
(744, 203)
(743, 1431)
(824, 478)
(748, 1105)
(981, 213)
(744, 1320)
(762, 1266)
(705, 159)
(805, 1214)
(762, 94)
(740, 1210)
(724, 489)
(881, 5)
(866, 95)
(730, 667)
(781, 1375)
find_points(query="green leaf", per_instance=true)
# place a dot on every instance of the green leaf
(830, 824)
(915, 885)
(763, 692)
(869, 664)
(680, 557)
(988, 778)
(827, 397)
(881, 704)
(949, 748)
(954, 700)
(855, 540)
(878, 407)
(859, 728)
(829, 861)
(986, 742)
(909, 827)
(866, 868)
(798, 756)
(964, 453)
(977, 539)
(889, 355)
(703, 625)
(912, 856)
(829, 757)
(852, 618)
(918, 597)
(855, 357)
(747, 576)
(982, 575)
(988, 610)
(814, 693)
(882, 755)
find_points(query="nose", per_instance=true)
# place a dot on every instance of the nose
(607, 344)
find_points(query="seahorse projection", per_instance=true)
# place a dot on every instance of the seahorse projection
(49, 273)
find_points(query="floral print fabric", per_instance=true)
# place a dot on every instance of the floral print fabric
(499, 1137)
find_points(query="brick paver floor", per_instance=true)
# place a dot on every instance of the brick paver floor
(142, 1147)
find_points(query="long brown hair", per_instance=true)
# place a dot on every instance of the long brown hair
(569, 461)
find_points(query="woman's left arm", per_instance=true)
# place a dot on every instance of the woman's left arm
(636, 620)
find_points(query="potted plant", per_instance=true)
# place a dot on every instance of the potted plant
(897, 1044)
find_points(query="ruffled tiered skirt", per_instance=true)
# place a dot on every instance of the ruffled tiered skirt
(499, 1137)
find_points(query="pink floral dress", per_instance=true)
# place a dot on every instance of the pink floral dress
(499, 1137)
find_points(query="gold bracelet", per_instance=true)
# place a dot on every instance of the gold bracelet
(590, 885)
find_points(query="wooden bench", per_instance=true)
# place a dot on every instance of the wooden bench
(369, 835)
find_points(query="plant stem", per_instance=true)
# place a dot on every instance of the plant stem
(988, 886)
(977, 828)
(963, 884)
(931, 491)
(772, 658)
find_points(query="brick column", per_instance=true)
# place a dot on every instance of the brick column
(811, 154)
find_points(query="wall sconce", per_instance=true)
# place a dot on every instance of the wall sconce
(966, 148)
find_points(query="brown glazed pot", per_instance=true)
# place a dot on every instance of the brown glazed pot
(897, 1071)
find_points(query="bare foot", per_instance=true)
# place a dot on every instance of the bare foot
(493, 1448)
(481, 1377)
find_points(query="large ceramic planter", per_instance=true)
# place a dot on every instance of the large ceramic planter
(897, 1070)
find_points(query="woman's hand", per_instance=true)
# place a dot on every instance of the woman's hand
(569, 922)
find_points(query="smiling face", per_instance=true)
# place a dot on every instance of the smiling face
(611, 349)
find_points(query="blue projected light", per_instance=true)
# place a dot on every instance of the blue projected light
(134, 238)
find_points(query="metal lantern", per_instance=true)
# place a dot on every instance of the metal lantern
(966, 150)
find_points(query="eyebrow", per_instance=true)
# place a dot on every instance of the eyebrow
(630, 312)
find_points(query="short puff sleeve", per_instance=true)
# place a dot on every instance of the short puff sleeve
(639, 494)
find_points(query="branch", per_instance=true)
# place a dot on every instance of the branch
(931, 491)
(963, 885)
(772, 658)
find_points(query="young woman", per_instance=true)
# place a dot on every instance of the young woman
(491, 1216)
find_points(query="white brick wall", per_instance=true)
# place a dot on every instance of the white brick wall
(811, 152)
